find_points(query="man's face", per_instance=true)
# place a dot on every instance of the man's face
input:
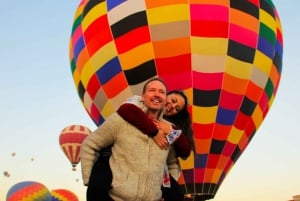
(154, 96)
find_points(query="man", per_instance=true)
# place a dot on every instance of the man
(137, 163)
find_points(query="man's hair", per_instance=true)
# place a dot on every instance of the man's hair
(151, 80)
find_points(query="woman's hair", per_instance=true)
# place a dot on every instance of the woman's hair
(182, 119)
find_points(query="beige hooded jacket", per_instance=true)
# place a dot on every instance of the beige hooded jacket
(137, 163)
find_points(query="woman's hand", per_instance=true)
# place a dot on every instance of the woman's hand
(165, 127)
(161, 140)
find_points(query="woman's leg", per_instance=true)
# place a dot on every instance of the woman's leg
(174, 193)
(100, 180)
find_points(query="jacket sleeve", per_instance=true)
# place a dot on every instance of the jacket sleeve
(182, 147)
(135, 116)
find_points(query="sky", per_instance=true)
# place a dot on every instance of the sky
(39, 99)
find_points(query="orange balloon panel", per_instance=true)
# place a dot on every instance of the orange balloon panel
(226, 55)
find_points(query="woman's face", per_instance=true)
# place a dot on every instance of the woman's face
(175, 103)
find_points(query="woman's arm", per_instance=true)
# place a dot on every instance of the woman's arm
(182, 147)
(135, 116)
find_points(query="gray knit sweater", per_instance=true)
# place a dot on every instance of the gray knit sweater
(137, 163)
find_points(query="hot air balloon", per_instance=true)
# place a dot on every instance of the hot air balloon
(28, 190)
(6, 174)
(70, 140)
(63, 195)
(225, 55)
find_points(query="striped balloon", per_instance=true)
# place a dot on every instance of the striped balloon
(28, 190)
(63, 195)
(226, 55)
(70, 140)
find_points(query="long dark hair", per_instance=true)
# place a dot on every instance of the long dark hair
(182, 119)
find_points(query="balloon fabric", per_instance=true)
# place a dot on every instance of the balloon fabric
(226, 55)
(63, 195)
(70, 140)
(28, 190)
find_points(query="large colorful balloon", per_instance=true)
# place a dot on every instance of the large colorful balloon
(28, 190)
(63, 195)
(70, 140)
(226, 55)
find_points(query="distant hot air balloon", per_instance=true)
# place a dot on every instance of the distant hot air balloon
(70, 140)
(28, 190)
(225, 55)
(6, 174)
(63, 195)
(13, 154)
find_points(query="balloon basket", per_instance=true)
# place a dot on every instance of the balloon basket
(197, 197)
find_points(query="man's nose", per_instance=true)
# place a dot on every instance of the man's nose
(156, 93)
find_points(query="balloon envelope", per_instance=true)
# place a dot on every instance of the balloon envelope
(28, 190)
(70, 140)
(225, 55)
(63, 195)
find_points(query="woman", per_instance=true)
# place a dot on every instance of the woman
(176, 112)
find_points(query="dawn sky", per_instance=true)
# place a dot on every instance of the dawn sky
(39, 99)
